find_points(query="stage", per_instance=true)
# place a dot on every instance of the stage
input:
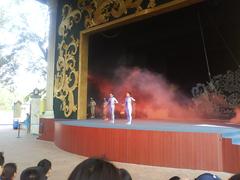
(212, 145)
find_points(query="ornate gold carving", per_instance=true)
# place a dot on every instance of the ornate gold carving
(134, 4)
(69, 17)
(107, 9)
(151, 4)
(66, 77)
(101, 11)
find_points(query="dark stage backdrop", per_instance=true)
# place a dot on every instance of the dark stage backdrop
(171, 45)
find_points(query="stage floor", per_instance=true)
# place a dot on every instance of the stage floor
(224, 129)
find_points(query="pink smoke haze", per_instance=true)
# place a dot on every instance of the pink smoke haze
(156, 98)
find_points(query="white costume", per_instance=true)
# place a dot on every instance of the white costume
(128, 107)
(111, 102)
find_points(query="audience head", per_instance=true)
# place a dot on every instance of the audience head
(46, 166)
(1, 162)
(32, 173)
(124, 174)
(9, 171)
(235, 177)
(175, 178)
(208, 176)
(95, 169)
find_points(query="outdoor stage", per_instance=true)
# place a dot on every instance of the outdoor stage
(205, 146)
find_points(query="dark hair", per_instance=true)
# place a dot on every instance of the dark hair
(235, 177)
(8, 171)
(208, 176)
(1, 159)
(95, 169)
(175, 178)
(45, 165)
(124, 174)
(32, 173)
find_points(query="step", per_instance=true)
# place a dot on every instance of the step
(231, 134)
(236, 141)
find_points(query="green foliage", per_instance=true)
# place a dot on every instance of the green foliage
(24, 44)
(7, 99)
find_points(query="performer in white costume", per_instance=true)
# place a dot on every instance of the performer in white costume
(111, 103)
(128, 107)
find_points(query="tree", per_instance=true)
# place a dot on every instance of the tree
(6, 99)
(23, 46)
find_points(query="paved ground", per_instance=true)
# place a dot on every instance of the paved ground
(26, 151)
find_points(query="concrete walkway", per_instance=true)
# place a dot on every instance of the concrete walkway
(26, 151)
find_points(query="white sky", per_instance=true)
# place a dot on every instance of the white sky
(37, 18)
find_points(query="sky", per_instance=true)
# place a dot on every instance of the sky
(36, 15)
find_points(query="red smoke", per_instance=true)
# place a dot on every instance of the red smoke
(155, 97)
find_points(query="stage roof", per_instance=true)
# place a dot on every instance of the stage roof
(43, 1)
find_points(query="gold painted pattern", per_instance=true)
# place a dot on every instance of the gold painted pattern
(101, 11)
(66, 76)
(69, 18)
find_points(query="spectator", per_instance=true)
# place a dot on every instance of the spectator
(95, 169)
(9, 171)
(208, 176)
(175, 178)
(235, 177)
(46, 166)
(1, 164)
(32, 173)
(27, 122)
(124, 174)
